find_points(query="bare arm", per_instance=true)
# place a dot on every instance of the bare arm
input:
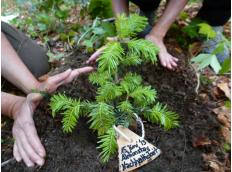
(13, 69)
(160, 29)
(120, 6)
(172, 10)
(10, 103)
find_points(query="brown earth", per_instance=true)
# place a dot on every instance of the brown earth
(77, 152)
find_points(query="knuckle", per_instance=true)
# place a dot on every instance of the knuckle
(33, 157)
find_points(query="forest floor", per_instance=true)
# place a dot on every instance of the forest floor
(197, 145)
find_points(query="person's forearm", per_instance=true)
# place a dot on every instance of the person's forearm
(172, 10)
(10, 103)
(14, 70)
(120, 6)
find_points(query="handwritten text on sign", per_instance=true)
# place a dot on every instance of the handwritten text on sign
(134, 151)
(133, 155)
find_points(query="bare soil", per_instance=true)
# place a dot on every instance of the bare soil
(77, 152)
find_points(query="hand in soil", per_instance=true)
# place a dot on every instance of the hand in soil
(27, 144)
(53, 82)
(166, 59)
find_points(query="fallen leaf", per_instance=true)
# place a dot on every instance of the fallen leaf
(215, 166)
(209, 157)
(217, 93)
(201, 141)
(213, 162)
(225, 88)
(222, 119)
(226, 134)
(223, 115)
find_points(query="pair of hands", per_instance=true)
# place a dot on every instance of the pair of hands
(27, 146)
(166, 59)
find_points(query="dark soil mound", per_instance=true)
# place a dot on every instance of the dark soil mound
(76, 152)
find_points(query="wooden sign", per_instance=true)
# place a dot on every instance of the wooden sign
(134, 151)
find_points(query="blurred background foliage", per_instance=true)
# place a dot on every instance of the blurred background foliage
(66, 20)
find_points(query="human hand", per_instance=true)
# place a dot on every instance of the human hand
(94, 56)
(166, 59)
(27, 145)
(53, 82)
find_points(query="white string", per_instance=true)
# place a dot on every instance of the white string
(139, 120)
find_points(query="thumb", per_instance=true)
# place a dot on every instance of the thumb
(34, 98)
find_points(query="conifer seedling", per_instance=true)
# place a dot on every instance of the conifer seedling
(120, 92)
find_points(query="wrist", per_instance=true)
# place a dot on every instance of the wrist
(154, 38)
(158, 33)
(38, 87)
(33, 85)
(16, 106)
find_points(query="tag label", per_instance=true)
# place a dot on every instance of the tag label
(136, 153)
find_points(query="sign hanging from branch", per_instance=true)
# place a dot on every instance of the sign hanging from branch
(133, 151)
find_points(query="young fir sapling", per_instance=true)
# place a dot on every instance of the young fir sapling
(120, 93)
